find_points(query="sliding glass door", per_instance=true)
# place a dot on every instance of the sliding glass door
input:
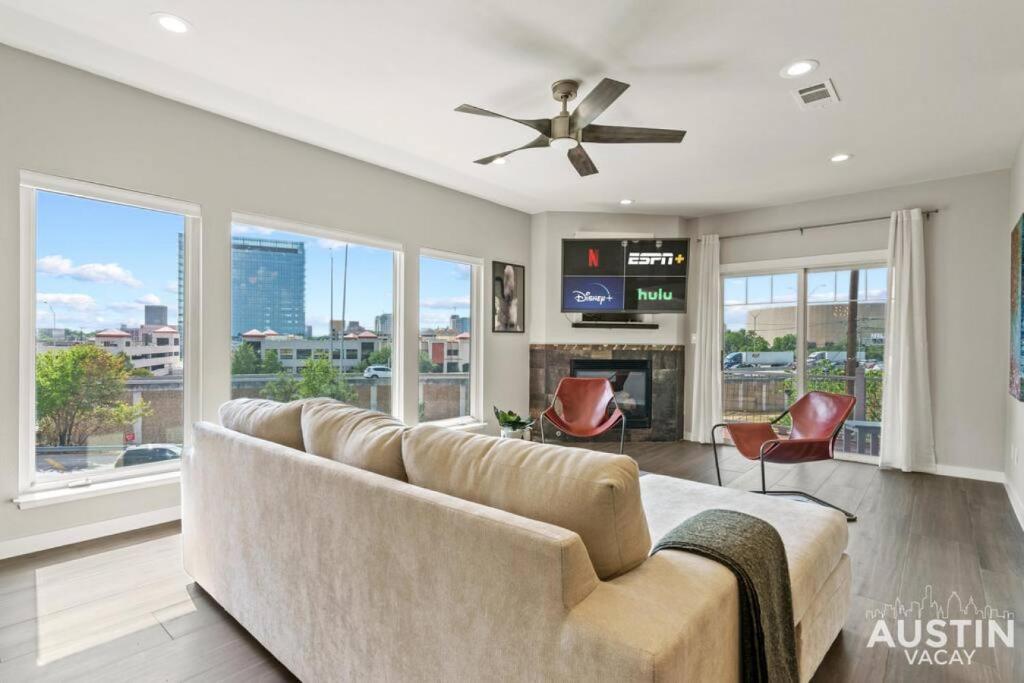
(759, 345)
(806, 329)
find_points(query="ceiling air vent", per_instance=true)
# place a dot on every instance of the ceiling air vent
(817, 96)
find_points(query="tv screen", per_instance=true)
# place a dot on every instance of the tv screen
(624, 276)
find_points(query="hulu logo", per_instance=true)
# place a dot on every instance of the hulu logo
(658, 294)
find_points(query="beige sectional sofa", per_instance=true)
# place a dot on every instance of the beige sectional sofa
(388, 553)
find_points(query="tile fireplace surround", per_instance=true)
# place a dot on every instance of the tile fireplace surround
(551, 362)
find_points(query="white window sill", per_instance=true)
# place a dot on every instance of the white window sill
(465, 423)
(27, 501)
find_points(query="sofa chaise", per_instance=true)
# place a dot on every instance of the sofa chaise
(355, 548)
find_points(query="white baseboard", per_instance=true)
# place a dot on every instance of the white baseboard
(1015, 503)
(86, 532)
(970, 473)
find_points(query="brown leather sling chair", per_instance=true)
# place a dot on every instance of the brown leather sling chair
(817, 418)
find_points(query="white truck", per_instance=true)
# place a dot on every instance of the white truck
(758, 359)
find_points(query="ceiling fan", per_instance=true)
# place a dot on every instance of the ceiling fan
(567, 131)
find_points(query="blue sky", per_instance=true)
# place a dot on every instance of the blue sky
(99, 263)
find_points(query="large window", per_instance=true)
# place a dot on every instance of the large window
(449, 338)
(103, 390)
(312, 314)
(802, 330)
(759, 345)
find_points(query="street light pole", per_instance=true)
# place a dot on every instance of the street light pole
(53, 330)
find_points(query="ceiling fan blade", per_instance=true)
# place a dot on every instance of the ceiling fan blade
(596, 101)
(581, 161)
(539, 141)
(542, 126)
(598, 133)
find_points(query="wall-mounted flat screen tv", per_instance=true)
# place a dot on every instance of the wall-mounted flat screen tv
(624, 275)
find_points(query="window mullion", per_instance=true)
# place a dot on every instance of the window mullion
(801, 331)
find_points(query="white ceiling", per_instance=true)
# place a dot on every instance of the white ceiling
(929, 89)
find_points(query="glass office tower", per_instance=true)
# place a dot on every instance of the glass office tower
(268, 286)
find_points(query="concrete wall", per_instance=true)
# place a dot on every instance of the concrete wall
(65, 122)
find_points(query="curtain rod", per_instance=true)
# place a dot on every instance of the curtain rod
(926, 214)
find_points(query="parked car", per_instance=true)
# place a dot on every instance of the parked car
(377, 371)
(148, 453)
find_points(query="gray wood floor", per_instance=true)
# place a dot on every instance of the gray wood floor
(122, 609)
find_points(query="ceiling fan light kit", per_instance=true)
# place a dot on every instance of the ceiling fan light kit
(567, 131)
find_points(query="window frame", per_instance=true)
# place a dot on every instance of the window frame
(397, 283)
(30, 183)
(802, 266)
(476, 326)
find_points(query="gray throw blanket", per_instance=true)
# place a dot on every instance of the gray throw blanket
(752, 550)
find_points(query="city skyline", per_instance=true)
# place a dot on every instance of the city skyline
(98, 264)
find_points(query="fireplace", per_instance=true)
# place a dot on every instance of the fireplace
(630, 380)
(653, 380)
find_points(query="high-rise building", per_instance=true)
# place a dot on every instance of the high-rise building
(268, 285)
(156, 315)
(383, 325)
(459, 324)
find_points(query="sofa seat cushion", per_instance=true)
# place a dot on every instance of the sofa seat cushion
(361, 438)
(815, 537)
(263, 419)
(596, 495)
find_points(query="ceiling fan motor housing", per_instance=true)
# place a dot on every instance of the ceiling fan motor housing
(561, 127)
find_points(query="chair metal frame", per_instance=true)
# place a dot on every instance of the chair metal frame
(850, 517)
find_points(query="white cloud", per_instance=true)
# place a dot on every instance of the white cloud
(446, 302)
(242, 229)
(325, 243)
(75, 302)
(148, 300)
(171, 286)
(61, 266)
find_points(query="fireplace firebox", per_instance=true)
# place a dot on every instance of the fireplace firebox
(631, 383)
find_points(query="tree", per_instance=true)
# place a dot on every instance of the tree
(282, 388)
(244, 360)
(381, 356)
(743, 340)
(321, 378)
(80, 391)
(786, 342)
(140, 372)
(271, 363)
(426, 365)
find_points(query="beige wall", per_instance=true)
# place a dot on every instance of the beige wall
(967, 281)
(64, 122)
(965, 245)
(1014, 457)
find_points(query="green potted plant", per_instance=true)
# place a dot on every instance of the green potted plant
(510, 422)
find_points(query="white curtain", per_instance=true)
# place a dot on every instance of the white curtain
(907, 440)
(707, 356)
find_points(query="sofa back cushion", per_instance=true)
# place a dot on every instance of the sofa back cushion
(267, 420)
(597, 495)
(360, 438)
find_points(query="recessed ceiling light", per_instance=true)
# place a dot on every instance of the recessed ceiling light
(171, 23)
(500, 161)
(840, 158)
(625, 202)
(800, 67)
